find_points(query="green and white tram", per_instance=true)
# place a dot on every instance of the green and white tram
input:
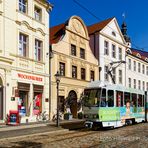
(111, 105)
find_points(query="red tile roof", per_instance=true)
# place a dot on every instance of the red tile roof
(143, 54)
(56, 33)
(98, 26)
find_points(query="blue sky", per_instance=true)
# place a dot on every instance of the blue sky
(136, 12)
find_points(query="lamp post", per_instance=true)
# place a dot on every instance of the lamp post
(58, 77)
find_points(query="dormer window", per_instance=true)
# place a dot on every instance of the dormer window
(138, 55)
(38, 13)
(23, 6)
(146, 59)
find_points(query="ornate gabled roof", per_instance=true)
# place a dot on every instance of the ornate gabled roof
(98, 26)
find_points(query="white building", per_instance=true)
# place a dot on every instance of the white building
(24, 64)
(109, 45)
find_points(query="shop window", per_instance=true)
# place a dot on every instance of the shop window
(23, 103)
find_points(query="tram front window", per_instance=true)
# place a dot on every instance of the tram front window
(92, 97)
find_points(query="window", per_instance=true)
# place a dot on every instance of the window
(23, 44)
(113, 51)
(62, 69)
(106, 51)
(106, 73)
(114, 74)
(38, 13)
(38, 50)
(82, 53)
(139, 67)
(23, 6)
(110, 98)
(143, 69)
(147, 86)
(147, 70)
(82, 73)
(120, 53)
(134, 83)
(129, 82)
(143, 85)
(92, 75)
(134, 65)
(73, 50)
(129, 64)
(74, 72)
(120, 76)
(119, 98)
(139, 84)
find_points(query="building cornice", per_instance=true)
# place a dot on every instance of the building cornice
(112, 39)
(46, 4)
(6, 59)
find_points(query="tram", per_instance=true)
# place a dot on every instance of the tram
(112, 105)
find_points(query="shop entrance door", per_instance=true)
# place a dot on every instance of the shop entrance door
(1, 103)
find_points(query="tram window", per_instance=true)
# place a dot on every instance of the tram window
(126, 97)
(139, 100)
(119, 99)
(110, 98)
(143, 100)
(103, 98)
(134, 100)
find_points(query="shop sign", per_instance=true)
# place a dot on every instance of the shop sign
(29, 77)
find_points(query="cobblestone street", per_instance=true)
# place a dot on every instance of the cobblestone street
(129, 136)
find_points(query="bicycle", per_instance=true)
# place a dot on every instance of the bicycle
(54, 118)
(42, 116)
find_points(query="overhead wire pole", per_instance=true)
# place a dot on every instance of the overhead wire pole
(111, 68)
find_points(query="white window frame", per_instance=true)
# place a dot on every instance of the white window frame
(134, 65)
(23, 6)
(129, 64)
(129, 82)
(120, 77)
(106, 48)
(113, 51)
(120, 53)
(37, 16)
(38, 50)
(23, 44)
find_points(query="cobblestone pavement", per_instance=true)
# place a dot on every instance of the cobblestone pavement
(130, 136)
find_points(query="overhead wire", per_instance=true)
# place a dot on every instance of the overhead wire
(98, 18)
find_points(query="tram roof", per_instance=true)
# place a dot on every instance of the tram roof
(108, 86)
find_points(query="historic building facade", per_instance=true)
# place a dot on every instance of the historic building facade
(137, 69)
(74, 59)
(24, 61)
(109, 47)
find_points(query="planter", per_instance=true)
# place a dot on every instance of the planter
(68, 116)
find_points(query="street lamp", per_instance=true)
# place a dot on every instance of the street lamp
(58, 77)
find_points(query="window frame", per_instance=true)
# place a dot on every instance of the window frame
(82, 53)
(106, 48)
(73, 50)
(23, 6)
(23, 41)
(113, 51)
(37, 16)
(74, 71)
(62, 68)
(38, 50)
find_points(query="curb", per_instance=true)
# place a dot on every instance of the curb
(37, 134)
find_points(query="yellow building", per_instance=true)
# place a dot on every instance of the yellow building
(24, 64)
(72, 56)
